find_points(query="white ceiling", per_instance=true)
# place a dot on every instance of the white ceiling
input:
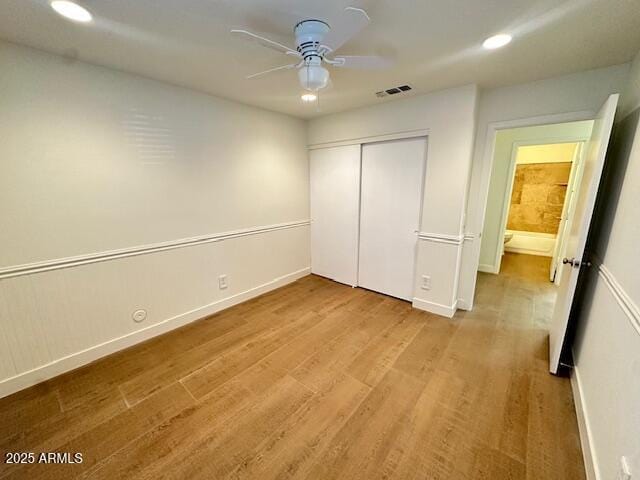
(435, 43)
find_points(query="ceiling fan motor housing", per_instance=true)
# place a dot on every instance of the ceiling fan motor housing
(309, 36)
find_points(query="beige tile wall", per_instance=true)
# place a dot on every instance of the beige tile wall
(538, 196)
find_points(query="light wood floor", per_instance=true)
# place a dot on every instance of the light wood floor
(318, 380)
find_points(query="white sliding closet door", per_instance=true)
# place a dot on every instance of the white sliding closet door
(391, 197)
(335, 205)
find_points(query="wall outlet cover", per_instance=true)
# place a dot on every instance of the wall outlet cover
(426, 282)
(222, 282)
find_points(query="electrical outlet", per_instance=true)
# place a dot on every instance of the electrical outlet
(625, 471)
(426, 282)
(222, 282)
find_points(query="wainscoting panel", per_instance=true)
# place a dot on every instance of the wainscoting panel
(61, 318)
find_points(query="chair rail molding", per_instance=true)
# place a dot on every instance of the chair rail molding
(626, 303)
(68, 262)
(441, 238)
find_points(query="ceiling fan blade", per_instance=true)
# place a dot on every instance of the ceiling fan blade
(352, 22)
(371, 62)
(275, 69)
(265, 42)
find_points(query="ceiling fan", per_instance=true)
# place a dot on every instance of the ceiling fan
(316, 43)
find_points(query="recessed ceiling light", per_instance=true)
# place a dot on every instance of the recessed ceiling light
(496, 41)
(308, 97)
(71, 10)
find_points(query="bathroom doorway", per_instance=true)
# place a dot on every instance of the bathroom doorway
(539, 201)
(531, 198)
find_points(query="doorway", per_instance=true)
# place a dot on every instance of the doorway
(538, 204)
(576, 259)
(529, 184)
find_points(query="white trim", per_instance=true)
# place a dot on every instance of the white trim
(487, 163)
(586, 437)
(469, 237)
(462, 304)
(486, 268)
(437, 308)
(627, 305)
(78, 359)
(372, 139)
(441, 238)
(67, 262)
(526, 251)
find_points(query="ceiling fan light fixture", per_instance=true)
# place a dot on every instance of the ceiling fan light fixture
(71, 10)
(497, 41)
(309, 97)
(313, 77)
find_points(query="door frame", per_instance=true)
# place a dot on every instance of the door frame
(511, 173)
(487, 168)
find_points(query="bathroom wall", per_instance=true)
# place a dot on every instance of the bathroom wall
(537, 198)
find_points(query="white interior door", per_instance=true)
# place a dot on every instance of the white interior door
(391, 197)
(555, 274)
(585, 198)
(335, 203)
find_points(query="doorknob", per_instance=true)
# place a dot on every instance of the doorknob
(575, 263)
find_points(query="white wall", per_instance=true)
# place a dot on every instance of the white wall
(502, 176)
(102, 165)
(580, 92)
(449, 117)
(607, 349)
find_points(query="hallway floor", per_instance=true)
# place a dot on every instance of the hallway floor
(318, 380)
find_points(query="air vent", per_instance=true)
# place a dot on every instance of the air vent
(393, 91)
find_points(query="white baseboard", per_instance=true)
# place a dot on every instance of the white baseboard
(527, 251)
(463, 304)
(83, 357)
(586, 439)
(486, 268)
(444, 310)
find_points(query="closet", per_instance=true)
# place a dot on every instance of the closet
(365, 212)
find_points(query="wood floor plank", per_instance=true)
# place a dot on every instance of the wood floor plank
(338, 354)
(291, 450)
(178, 366)
(61, 427)
(361, 446)
(226, 366)
(423, 354)
(100, 442)
(552, 425)
(26, 409)
(222, 427)
(378, 356)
